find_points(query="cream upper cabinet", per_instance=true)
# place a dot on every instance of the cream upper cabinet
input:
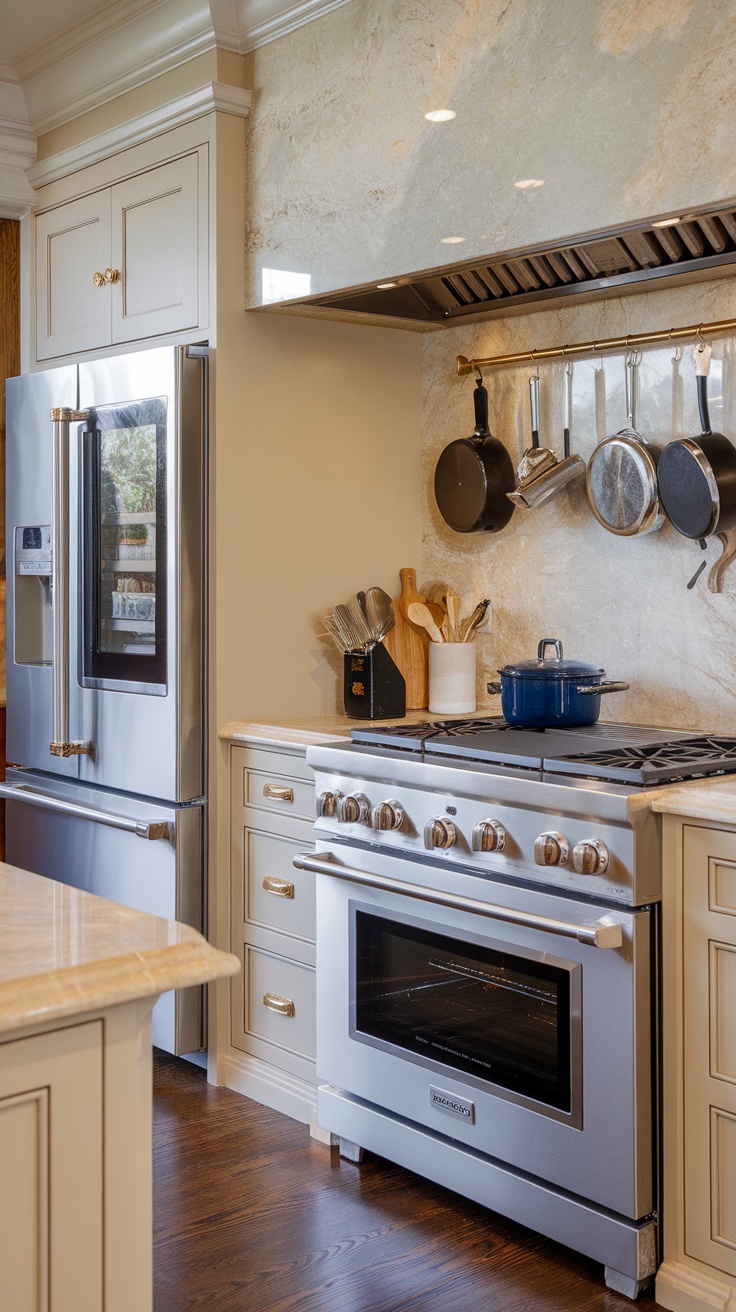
(125, 262)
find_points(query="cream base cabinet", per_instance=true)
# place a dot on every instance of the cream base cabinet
(125, 262)
(75, 1164)
(699, 958)
(271, 1056)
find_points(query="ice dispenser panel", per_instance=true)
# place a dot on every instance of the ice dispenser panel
(33, 615)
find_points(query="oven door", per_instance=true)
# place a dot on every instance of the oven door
(502, 1030)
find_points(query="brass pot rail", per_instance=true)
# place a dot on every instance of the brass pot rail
(724, 326)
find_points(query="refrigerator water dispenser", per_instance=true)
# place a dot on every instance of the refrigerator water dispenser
(32, 643)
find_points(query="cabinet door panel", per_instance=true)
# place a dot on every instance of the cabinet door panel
(155, 246)
(51, 1197)
(72, 245)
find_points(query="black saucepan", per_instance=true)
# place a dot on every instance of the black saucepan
(473, 476)
(697, 475)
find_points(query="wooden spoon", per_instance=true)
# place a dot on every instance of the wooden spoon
(419, 614)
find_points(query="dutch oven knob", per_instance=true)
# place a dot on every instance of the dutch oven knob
(387, 815)
(439, 833)
(551, 849)
(590, 857)
(355, 809)
(489, 836)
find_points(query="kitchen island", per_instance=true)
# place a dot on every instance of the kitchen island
(78, 979)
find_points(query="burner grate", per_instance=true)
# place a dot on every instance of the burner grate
(684, 758)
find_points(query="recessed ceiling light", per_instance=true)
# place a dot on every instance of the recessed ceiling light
(527, 183)
(384, 286)
(667, 223)
(450, 241)
(440, 115)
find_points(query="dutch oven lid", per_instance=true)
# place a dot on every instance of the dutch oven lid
(552, 667)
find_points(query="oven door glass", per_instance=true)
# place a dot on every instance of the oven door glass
(124, 556)
(498, 1016)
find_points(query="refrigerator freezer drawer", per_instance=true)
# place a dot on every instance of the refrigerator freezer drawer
(143, 854)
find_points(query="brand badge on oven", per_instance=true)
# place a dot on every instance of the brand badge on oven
(445, 1101)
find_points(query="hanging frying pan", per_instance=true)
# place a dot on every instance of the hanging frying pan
(622, 473)
(473, 476)
(697, 475)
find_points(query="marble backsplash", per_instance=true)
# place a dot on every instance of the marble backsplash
(605, 113)
(621, 603)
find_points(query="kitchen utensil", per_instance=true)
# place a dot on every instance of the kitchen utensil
(409, 593)
(379, 612)
(362, 627)
(552, 692)
(419, 614)
(408, 644)
(697, 482)
(540, 473)
(622, 473)
(473, 476)
(474, 620)
(353, 634)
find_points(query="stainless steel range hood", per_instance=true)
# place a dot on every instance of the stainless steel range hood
(691, 247)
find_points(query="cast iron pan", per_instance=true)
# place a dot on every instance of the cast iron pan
(473, 476)
(697, 475)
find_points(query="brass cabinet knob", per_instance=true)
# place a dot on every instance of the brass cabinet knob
(107, 278)
(489, 836)
(279, 887)
(278, 792)
(590, 857)
(439, 833)
(551, 849)
(283, 1006)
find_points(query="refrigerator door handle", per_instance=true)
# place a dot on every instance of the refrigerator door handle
(151, 829)
(61, 745)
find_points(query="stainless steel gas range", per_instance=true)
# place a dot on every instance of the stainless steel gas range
(487, 966)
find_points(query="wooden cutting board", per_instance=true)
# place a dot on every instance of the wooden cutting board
(407, 644)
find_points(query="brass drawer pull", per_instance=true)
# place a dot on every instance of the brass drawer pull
(281, 887)
(279, 792)
(284, 1006)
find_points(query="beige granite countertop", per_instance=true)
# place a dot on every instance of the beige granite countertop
(324, 728)
(700, 799)
(64, 952)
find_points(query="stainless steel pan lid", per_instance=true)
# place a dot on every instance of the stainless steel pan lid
(541, 474)
(621, 477)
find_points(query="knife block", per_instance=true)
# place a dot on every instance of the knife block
(374, 686)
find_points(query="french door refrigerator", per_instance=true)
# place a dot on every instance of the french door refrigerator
(106, 604)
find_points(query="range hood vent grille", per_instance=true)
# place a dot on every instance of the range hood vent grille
(602, 264)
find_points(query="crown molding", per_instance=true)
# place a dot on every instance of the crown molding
(263, 21)
(213, 96)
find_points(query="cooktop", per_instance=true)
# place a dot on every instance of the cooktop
(622, 753)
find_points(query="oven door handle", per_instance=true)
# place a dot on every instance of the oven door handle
(600, 934)
(150, 829)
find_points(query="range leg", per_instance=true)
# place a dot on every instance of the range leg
(625, 1285)
(352, 1152)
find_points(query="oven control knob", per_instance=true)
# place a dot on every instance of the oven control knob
(439, 833)
(551, 849)
(387, 815)
(590, 857)
(327, 803)
(489, 836)
(355, 809)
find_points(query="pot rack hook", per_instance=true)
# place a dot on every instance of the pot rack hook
(700, 338)
(479, 379)
(533, 355)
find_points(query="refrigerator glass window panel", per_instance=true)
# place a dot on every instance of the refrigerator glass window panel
(124, 558)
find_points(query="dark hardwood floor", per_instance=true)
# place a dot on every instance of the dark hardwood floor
(250, 1215)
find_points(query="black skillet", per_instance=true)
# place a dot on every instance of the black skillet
(697, 475)
(473, 476)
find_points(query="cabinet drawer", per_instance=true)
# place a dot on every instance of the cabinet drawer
(278, 792)
(275, 893)
(280, 1002)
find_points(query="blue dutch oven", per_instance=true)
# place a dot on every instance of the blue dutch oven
(552, 693)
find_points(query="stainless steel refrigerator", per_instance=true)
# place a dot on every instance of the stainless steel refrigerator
(106, 629)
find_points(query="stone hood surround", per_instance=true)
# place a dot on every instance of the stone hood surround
(64, 952)
(622, 110)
